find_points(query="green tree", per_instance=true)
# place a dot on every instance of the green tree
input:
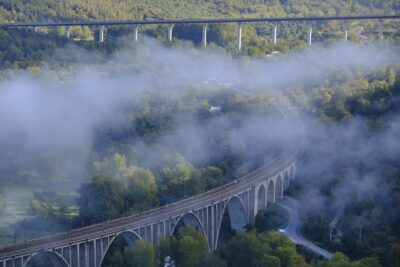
(142, 254)
(192, 247)
(139, 184)
(100, 199)
(393, 258)
(213, 176)
(245, 250)
(141, 188)
(181, 179)
(188, 248)
(340, 260)
(116, 167)
(270, 249)
(38, 207)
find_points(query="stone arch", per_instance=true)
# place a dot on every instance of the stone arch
(189, 219)
(261, 198)
(237, 216)
(286, 180)
(270, 193)
(291, 172)
(129, 237)
(279, 188)
(46, 259)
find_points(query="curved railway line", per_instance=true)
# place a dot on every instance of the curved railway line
(281, 161)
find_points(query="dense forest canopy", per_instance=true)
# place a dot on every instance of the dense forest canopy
(59, 10)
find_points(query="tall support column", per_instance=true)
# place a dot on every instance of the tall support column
(204, 36)
(346, 32)
(239, 37)
(380, 29)
(310, 35)
(169, 32)
(253, 204)
(101, 34)
(136, 33)
(78, 248)
(274, 33)
(213, 227)
(67, 32)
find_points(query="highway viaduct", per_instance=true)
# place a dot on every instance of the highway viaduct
(240, 200)
(101, 25)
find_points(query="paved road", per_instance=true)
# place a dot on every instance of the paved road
(292, 230)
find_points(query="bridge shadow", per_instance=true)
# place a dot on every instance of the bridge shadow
(226, 233)
(234, 220)
(46, 259)
(118, 245)
(189, 219)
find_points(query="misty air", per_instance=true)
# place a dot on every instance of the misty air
(199, 133)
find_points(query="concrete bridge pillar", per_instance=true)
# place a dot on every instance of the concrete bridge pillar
(380, 29)
(274, 33)
(135, 33)
(169, 32)
(346, 32)
(310, 35)
(67, 32)
(239, 36)
(101, 34)
(204, 36)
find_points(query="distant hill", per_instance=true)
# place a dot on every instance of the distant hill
(60, 10)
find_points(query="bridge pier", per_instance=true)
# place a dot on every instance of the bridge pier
(136, 33)
(380, 29)
(170, 27)
(101, 33)
(204, 35)
(275, 29)
(310, 29)
(67, 32)
(346, 31)
(239, 36)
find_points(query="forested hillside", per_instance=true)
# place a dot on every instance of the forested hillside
(61, 10)
(24, 48)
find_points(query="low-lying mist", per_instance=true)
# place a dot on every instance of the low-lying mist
(61, 120)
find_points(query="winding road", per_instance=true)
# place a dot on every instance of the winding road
(292, 230)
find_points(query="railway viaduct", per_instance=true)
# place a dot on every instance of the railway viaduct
(240, 200)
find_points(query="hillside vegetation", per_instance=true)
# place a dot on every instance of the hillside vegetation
(61, 10)
(24, 48)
